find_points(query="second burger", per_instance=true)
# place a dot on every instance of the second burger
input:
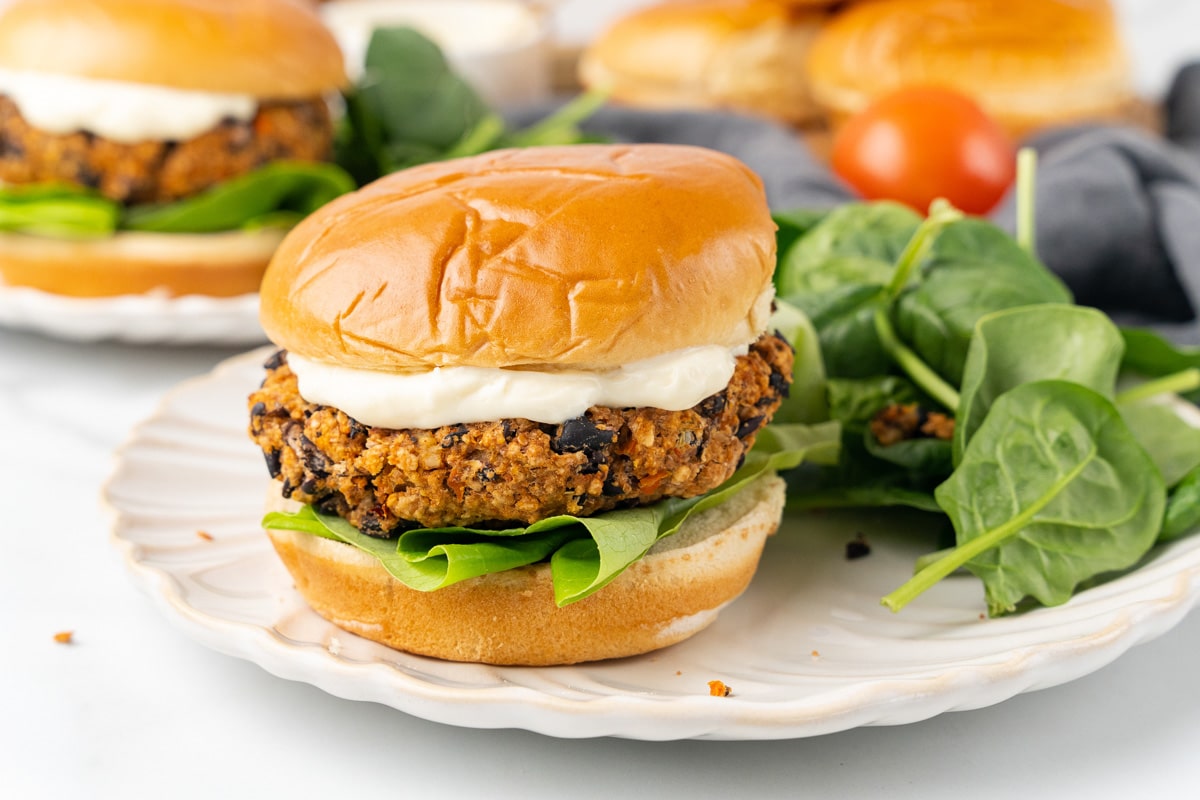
(159, 145)
(506, 380)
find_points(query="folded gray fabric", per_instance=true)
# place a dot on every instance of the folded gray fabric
(1118, 209)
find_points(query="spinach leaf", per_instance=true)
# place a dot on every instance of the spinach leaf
(858, 478)
(844, 318)
(805, 402)
(855, 244)
(1052, 490)
(854, 401)
(414, 93)
(865, 496)
(835, 272)
(410, 108)
(1183, 508)
(1151, 355)
(972, 269)
(1170, 441)
(57, 210)
(1032, 343)
(790, 226)
(292, 186)
(924, 456)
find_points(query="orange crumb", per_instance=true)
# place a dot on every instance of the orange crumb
(982, 615)
(719, 689)
(816, 653)
(678, 672)
(64, 637)
(205, 535)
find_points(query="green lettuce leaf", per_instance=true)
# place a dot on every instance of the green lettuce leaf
(247, 201)
(57, 210)
(585, 553)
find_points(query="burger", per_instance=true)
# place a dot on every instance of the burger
(511, 416)
(740, 55)
(159, 145)
(1031, 64)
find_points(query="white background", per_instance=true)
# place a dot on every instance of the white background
(135, 709)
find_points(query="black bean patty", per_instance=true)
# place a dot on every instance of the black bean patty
(514, 470)
(158, 171)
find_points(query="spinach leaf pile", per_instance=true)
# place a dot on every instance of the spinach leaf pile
(967, 384)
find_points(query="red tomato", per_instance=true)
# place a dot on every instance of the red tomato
(921, 143)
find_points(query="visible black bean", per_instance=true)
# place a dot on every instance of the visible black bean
(454, 436)
(315, 461)
(309, 486)
(372, 526)
(287, 488)
(508, 429)
(713, 406)
(611, 488)
(784, 339)
(329, 504)
(274, 459)
(357, 429)
(779, 384)
(258, 409)
(580, 434)
(749, 426)
(277, 360)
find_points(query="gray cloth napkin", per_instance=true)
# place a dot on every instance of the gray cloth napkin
(1118, 209)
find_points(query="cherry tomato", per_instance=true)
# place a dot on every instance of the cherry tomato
(921, 143)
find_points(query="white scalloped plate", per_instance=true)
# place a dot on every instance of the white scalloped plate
(141, 319)
(807, 650)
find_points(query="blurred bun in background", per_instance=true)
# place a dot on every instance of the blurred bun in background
(1028, 63)
(742, 55)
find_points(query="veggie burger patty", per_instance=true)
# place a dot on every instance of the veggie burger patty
(161, 171)
(384, 481)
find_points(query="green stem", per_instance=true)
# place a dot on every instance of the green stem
(1186, 381)
(548, 130)
(478, 139)
(941, 214)
(960, 555)
(1027, 199)
(921, 373)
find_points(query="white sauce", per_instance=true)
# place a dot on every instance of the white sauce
(117, 110)
(448, 395)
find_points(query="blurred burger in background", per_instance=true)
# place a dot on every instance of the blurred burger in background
(160, 145)
(740, 55)
(1030, 64)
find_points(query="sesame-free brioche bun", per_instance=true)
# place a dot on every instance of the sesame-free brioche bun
(126, 263)
(1029, 63)
(675, 591)
(741, 55)
(585, 256)
(275, 49)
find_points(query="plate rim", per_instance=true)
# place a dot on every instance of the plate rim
(1158, 606)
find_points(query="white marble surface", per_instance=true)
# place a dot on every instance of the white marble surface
(133, 708)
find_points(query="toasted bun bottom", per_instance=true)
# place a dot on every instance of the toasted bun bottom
(174, 264)
(510, 617)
